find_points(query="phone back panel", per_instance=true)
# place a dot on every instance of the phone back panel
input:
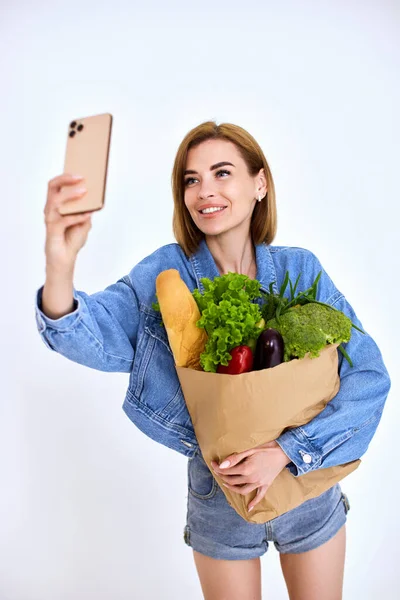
(87, 152)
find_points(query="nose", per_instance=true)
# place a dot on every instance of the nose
(205, 190)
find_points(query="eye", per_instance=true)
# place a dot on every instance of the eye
(223, 171)
(189, 180)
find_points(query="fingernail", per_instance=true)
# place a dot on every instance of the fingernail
(250, 509)
(77, 176)
(225, 464)
(81, 190)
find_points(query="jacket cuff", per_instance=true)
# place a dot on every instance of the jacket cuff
(63, 323)
(297, 447)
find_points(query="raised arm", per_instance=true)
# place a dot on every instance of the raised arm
(97, 330)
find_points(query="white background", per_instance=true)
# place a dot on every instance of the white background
(90, 507)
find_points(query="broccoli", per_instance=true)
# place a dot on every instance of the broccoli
(309, 328)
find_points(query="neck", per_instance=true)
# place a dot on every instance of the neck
(233, 255)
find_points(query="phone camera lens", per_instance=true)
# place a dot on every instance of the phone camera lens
(73, 124)
(72, 133)
(80, 127)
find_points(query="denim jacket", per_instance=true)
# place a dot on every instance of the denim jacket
(118, 330)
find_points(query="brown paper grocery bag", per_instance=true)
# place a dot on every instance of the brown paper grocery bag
(232, 413)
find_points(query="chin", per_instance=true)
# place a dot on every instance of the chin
(214, 230)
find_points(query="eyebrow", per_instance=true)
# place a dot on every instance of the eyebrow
(212, 168)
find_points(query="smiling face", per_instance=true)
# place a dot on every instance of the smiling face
(217, 178)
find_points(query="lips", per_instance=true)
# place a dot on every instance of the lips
(213, 213)
(211, 206)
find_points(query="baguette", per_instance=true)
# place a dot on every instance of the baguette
(179, 314)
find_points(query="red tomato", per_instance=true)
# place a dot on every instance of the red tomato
(241, 361)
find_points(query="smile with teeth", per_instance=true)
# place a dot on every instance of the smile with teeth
(212, 209)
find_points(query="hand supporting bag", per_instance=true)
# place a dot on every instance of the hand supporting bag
(233, 413)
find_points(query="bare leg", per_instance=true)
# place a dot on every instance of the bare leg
(317, 574)
(228, 579)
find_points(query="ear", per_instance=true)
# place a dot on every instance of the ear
(261, 184)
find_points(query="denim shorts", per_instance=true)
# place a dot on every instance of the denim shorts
(215, 529)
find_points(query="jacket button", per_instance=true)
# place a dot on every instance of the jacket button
(307, 458)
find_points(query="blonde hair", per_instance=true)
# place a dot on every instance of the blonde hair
(264, 217)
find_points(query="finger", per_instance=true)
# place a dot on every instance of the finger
(235, 479)
(55, 201)
(261, 491)
(69, 194)
(58, 227)
(74, 219)
(55, 219)
(56, 183)
(234, 459)
(236, 470)
(243, 490)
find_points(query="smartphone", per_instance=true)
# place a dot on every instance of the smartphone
(87, 153)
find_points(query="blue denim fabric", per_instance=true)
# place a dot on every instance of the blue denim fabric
(117, 330)
(215, 529)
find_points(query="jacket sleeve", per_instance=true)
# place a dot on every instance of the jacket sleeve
(100, 332)
(343, 430)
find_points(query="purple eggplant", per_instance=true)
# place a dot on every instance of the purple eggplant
(269, 350)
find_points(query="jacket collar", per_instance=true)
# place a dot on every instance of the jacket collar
(204, 265)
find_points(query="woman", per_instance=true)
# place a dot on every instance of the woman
(224, 220)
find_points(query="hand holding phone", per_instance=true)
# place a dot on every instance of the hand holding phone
(69, 206)
(65, 234)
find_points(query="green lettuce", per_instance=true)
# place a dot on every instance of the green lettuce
(228, 315)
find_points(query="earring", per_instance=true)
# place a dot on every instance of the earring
(259, 197)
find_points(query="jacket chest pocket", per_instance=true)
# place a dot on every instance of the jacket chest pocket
(153, 381)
